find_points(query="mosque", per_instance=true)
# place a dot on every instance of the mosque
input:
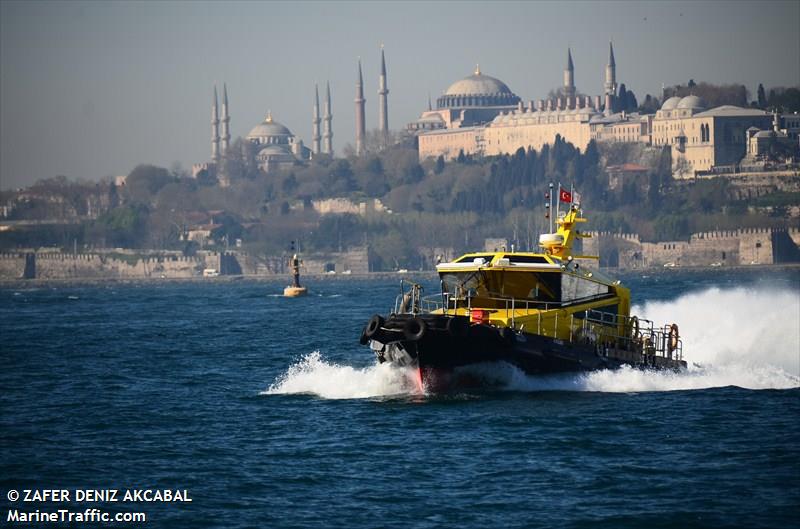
(276, 147)
(480, 115)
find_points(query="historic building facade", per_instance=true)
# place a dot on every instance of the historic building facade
(480, 115)
(702, 139)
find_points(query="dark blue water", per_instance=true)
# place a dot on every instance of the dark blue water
(214, 388)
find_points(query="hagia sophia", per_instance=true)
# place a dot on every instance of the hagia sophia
(480, 115)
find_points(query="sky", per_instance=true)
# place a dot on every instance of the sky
(91, 89)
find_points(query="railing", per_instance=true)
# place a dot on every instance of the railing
(605, 330)
(637, 334)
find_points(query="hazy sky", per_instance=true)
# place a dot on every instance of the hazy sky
(90, 89)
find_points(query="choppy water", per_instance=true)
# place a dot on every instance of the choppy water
(271, 415)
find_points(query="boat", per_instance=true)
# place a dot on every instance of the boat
(544, 313)
(295, 289)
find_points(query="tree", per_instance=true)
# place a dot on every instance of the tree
(145, 181)
(289, 185)
(439, 167)
(762, 96)
(622, 98)
(784, 99)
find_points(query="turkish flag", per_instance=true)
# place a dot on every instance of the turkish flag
(564, 195)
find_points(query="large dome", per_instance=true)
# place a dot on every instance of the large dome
(478, 84)
(477, 90)
(270, 129)
(671, 103)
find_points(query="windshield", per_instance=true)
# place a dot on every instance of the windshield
(531, 286)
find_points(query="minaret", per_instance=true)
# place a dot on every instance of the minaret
(611, 72)
(383, 102)
(226, 120)
(360, 115)
(327, 132)
(569, 78)
(214, 129)
(315, 136)
(429, 102)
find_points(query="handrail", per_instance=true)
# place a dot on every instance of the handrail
(602, 328)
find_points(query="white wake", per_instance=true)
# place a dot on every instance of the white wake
(742, 337)
(314, 375)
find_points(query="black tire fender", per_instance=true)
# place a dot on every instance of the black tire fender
(457, 327)
(415, 329)
(363, 338)
(373, 326)
(507, 336)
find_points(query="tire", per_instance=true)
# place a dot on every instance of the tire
(457, 327)
(363, 338)
(507, 336)
(414, 329)
(373, 326)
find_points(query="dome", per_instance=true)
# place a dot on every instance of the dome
(477, 91)
(671, 103)
(692, 102)
(273, 150)
(478, 84)
(269, 128)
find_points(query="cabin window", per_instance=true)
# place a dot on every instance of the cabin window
(527, 259)
(574, 288)
(491, 288)
(470, 258)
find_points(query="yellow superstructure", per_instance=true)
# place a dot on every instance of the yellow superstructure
(548, 294)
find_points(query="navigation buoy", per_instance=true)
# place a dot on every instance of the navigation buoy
(295, 289)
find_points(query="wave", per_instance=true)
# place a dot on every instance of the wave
(731, 337)
(315, 376)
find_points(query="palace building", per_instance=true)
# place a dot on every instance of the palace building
(479, 115)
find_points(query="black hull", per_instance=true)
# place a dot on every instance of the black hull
(442, 347)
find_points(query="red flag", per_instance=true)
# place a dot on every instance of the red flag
(564, 195)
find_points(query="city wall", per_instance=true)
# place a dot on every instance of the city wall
(130, 265)
(717, 248)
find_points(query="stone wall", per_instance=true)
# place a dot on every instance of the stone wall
(12, 265)
(718, 248)
(356, 261)
(97, 266)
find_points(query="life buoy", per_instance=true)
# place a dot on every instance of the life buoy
(414, 329)
(673, 337)
(374, 325)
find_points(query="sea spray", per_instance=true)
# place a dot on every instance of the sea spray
(739, 326)
(314, 375)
